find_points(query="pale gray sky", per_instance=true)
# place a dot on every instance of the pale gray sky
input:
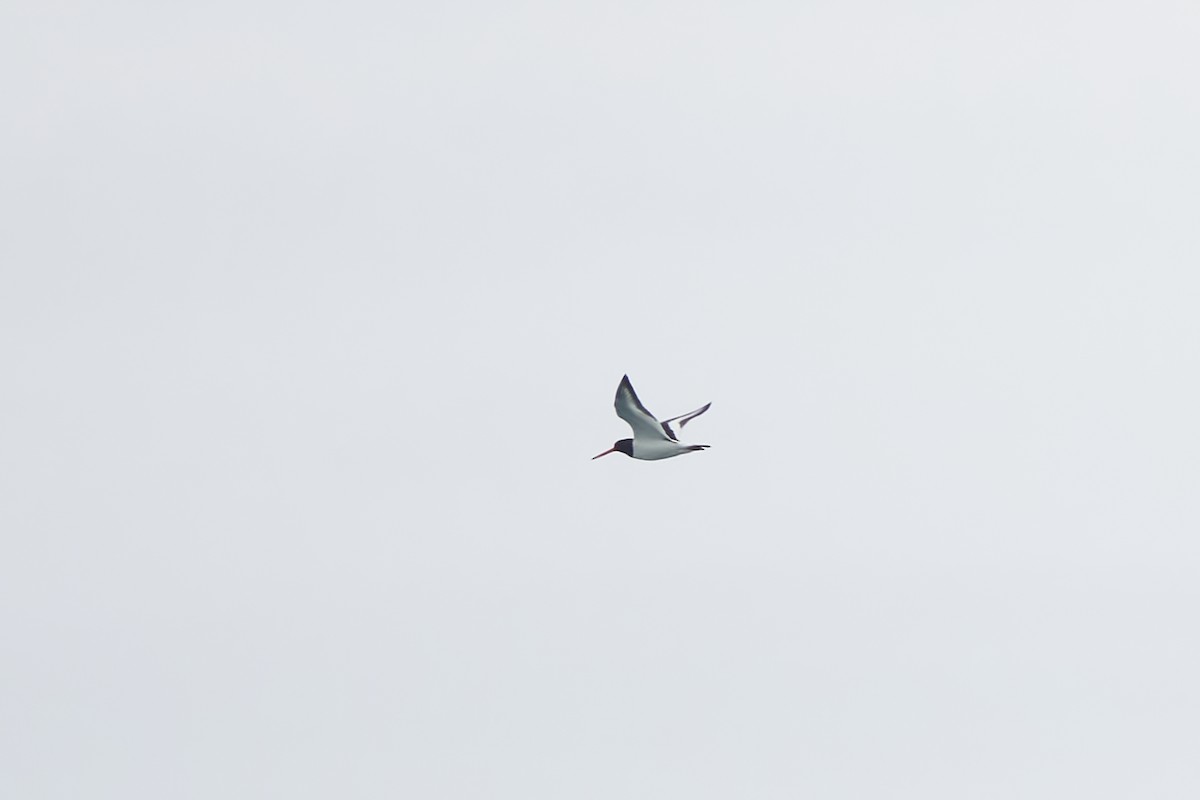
(310, 321)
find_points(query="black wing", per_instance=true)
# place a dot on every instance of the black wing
(684, 419)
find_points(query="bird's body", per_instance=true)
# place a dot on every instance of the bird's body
(652, 440)
(657, 450)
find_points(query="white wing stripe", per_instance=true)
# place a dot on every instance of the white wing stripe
(684, 419)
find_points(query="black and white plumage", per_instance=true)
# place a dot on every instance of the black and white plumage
(652, 440)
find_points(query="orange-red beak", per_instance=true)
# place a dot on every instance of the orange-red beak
(606, 452)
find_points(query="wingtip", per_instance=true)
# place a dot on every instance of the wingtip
(689, 417)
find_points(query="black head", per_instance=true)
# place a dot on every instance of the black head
(622, 446)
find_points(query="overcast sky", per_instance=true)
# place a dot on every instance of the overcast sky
(311, 317)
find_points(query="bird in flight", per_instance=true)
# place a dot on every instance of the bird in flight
(652, 440)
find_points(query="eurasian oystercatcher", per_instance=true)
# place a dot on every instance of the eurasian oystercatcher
(652, 440)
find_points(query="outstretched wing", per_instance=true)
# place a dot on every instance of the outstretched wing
(684, 419)
(630, 409)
